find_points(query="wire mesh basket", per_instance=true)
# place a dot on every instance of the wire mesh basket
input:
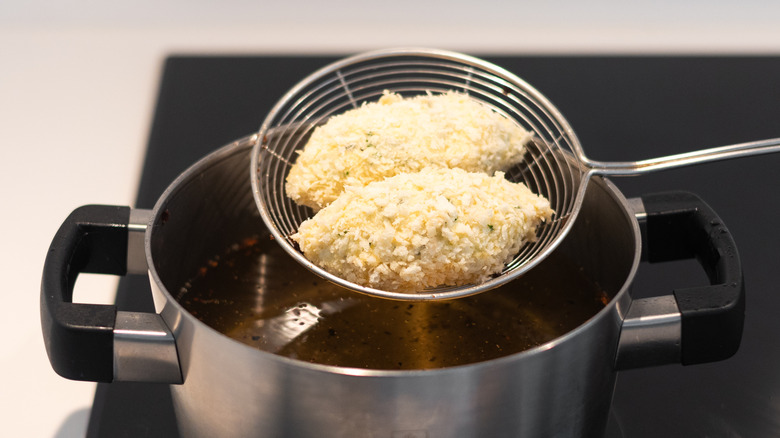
(548, 168)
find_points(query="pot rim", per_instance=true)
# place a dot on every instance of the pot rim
(622, 298)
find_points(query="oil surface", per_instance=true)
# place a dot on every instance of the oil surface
(256, 294)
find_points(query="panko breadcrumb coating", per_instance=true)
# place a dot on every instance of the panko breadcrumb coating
(431, 228)
(399, 135)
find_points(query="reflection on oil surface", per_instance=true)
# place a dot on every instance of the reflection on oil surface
(257, 294)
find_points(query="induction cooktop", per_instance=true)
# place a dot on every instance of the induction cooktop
(622, 108)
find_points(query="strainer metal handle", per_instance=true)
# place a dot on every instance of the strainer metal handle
(629, 168)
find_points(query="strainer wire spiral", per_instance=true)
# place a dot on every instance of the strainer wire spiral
(548, 168)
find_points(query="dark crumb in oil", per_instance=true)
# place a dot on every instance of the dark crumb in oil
(331, 332)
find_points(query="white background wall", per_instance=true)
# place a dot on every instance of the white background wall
(78, 80)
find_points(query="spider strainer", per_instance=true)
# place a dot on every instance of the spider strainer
(554, 166)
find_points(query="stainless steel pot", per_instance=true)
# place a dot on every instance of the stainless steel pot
(224, 388)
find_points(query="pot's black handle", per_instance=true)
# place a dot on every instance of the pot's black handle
(680, 226)
(79, 337)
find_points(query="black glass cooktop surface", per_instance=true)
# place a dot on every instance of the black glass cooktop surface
(622, 108)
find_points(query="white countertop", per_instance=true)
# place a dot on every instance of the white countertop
(78, 85)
